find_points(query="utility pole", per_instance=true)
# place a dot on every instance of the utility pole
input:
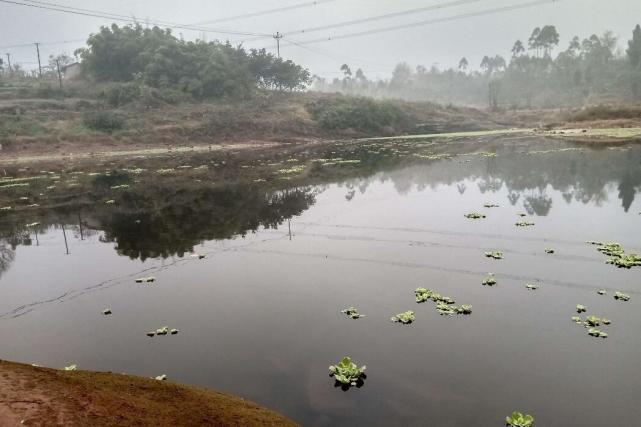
(278, 36)
(60, 81)
(9, 62)
(39, 65)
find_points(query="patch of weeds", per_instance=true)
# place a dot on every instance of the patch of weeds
(618, 256)
(518, 419)
(352, 313)
(489, 280)
(406, 318)
(347, 373)
(494, 254)
(620, 296)
(444, 305)
(581, 308)
(103, 121)
(474, 215)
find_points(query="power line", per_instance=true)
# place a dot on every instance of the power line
(43, 44)
(337, 56)
(432, 21)
(265, 12)
(106, 15)
(376, 18)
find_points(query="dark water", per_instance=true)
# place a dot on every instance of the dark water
(260, 315)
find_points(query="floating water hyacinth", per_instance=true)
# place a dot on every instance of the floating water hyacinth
(106, 311)
(597, 333)
(489, 280)
(532, 287)
(405, 318)
(347, 373)
(620, 296)
(162, 331)
(524, 224)
(352, 313)
(576, 319)
(174, 331)
(581, 308)
(474, 215)
(151, 333)
(601, 292)
(549, 251)
(494, 254)
(146, 280)
(489, 205)
(518, 419)
(71, 368)
(592, 321)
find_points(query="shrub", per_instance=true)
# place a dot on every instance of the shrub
(363, 114)
(104, 121)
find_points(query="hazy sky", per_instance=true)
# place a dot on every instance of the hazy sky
(442, 43)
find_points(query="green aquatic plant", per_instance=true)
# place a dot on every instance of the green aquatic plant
(174, 331)
(524, 224)
(581, 308)
(532, 287)
(625, 261)
(151, 333)
(347, 372)
(405, 318)
(576, 319)
(620, 296)
(592, 321)
(162, 331)
(146, 280)
(518, 419)
(71, 368)
(494, 254)
(489, 280)
(597, 333)
(474, 215)
(606, 321)
(549, 251)
(423, 294)
(488, 205)
(106, 311)
(352, 313)
(601, 292)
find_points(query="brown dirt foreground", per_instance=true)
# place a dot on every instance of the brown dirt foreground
(44, 397)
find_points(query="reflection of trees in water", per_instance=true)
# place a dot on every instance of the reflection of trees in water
(490, 184)
(627, 186)
(173, 221)
(7, 255)
(513, 197)
(538, 205)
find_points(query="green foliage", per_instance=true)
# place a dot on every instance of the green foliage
(474, 215)
(352, 313)
(103, 121)
(494, 254)
(490, 280)
(581, 308)
(518, 419)
(347, 372)
(155, 58)
(405, 317)
(620, 296)
(362, 114)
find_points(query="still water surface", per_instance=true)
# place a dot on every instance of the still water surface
(260, 315)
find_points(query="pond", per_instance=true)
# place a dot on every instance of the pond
(290, 239)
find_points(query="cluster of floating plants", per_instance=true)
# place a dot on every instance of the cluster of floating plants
(518, 419)
(620, 296)
(549, 250)
(580, 308)
(488, 205)
(444, 305)
(163, 331)
(591, 323)
(601, 292)
(524, 224)
(106, 311)
(352, 313)
(531, 287)
(474, 215)
(347, 373)
(406, 317)
(617, 255)
(494, 254)
(146, 280)
(489, 280)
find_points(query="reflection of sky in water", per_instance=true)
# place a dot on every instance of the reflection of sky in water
(260, 315)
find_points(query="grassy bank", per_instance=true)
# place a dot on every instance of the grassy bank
(41, 396)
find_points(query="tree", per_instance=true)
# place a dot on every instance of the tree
(534, 40)
(517, 49)
(463, 64)
(634, 48)
(346, 70)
